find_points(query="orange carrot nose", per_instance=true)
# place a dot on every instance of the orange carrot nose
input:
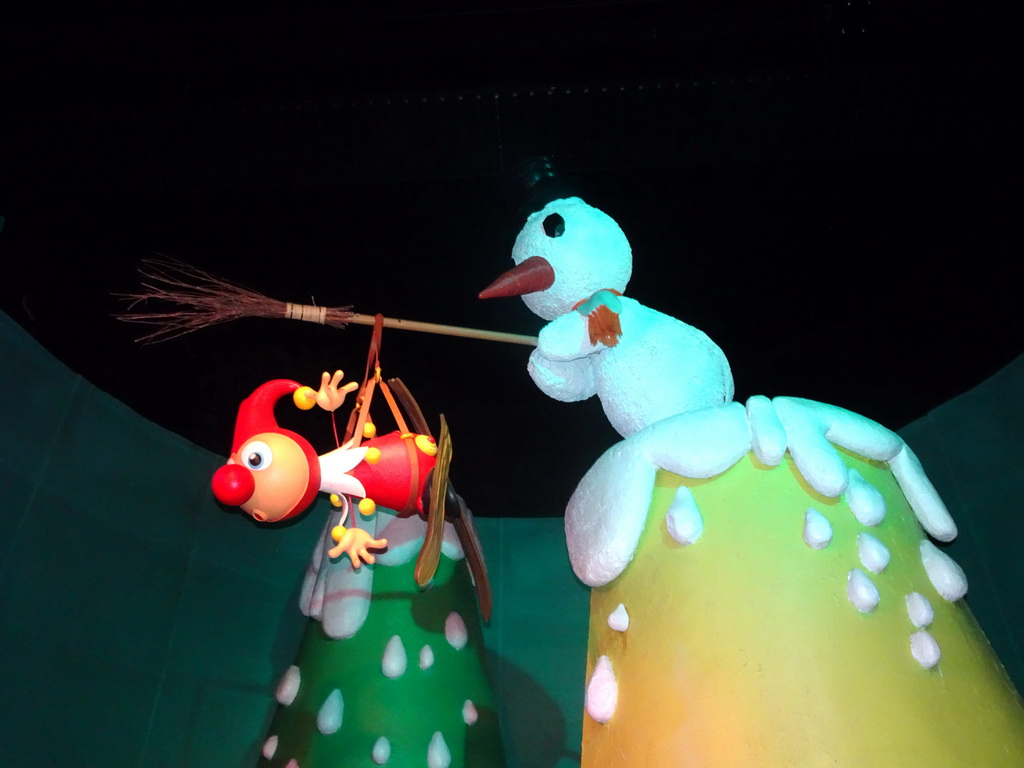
(529, 276)
(233, 485)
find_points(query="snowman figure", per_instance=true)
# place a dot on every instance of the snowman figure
(572, 265)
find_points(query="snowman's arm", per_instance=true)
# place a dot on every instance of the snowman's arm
(566, 380)
(567, 338)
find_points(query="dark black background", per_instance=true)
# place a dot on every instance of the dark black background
(826, 189)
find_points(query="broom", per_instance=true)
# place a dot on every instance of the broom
(207, 300)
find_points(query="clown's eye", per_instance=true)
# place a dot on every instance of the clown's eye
(554, 225)
(256, 455)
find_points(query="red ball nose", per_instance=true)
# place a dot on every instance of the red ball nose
(233, 485)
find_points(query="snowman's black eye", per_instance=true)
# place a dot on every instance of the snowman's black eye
(554, 225)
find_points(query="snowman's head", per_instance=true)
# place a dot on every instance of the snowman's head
(566, 252)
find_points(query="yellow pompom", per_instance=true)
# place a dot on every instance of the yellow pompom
(426, 444)
(369, 429)
(304, 398)
(367, 507)
(372, 455)
(335, 499)
(337, 532)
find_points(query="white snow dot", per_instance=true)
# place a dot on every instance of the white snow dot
(619, 619)
(469, 713)
(925, 649)
(873, 553)
(438, 755)
(270, 747)
(602, 691)
(861, 591)
(919, 610)
(394, 662)
(289, 686)
(426, 657)
(381, 751)
(945, 575)
(328, 719)
(293, 763)
(455, 631)
(866, 502)
(683, 519)
(817, 529)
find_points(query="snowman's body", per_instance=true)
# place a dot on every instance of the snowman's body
(658, 367)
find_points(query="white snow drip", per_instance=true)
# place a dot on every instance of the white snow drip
(394, 662)
(685, 524)
(817, 529)
(438, 755)
(767, 435)
(923, 498)
(608, 510)
(861, 591)
(381, 751)
(270, 747)
(811, 427)
(328, 719)
(866, 502)
(334, 592)
(925, 649)
(602, 691)
(469, 713)
(874, 555)
(945, 575)
(426, 657)
(455, 631)
(619, 619)
(920, 610)
(289, 686)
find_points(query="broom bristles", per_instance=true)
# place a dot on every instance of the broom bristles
(203, 300)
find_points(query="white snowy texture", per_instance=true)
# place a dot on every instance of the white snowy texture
(270, 747)
(438, 755)
(426, 657)
(874, 555)
(767, 435)
(919, 610)
(607, 512)
(619, 619)
(945, 575)
(810, 427)
(395, 661)
(925, 649)
(861, 591)
(381, 752)
(332, 590)
(684, 521)
(469, 713)
(293, 763)
(455, 631)
(602, 691)
(817, 529)
(923, 498)
(288, 688)
(405, 539)
(865, 501)
(328, 719)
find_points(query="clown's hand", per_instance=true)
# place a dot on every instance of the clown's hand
(330, 397)
(355, 542)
